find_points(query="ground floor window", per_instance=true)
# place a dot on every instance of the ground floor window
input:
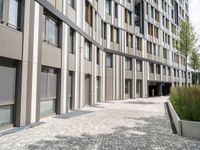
(48, 97)
(7, 94)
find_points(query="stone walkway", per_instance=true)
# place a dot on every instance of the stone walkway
(117, 125)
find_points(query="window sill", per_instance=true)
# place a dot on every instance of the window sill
(57, 46)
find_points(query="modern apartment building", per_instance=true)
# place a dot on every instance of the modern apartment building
(60, 55)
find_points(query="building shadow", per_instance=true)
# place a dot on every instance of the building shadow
(140, 102)
(73, 114)
(149, 133)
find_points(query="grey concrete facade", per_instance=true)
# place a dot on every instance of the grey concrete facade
(68, 54)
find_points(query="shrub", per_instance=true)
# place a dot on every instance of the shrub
(186, 102)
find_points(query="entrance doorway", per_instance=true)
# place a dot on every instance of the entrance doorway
(87, 89)
(70, 88)
(138, 88)
(128, 88)
(98, 86)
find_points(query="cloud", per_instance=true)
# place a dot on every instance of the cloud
(194, 13)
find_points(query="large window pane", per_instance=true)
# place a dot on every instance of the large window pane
(13, 13)
(6, 115)
(139, 65)
(71, 3)
(1, 9)
(71, 41)
(109, 60)
(7, 85)
(108, 7)
(43, 88)
(87, 50)
(48, 89)
(47, 107)
(52, 85)
(53, 32)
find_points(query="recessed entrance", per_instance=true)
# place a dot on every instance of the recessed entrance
(128, 88)
(158, 89)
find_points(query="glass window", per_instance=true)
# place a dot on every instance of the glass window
(128, 63)
(13, 13)
(108, 7)
(7, 94)
(7, 85)
(71, 41)
(169, 71)
(130, 17)
(139, 65)
(151, 68)
(126, 86)
(1, 9)
(164, 70)
(87, 54)
(98, 55)
(48, 91)
(158, 69)
(71, 3)
(109, 60)
(53, 32)
(116, 10)
(6, 115)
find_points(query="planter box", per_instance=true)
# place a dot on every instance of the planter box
(183, 127)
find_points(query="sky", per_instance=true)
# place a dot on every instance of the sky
(194, 13)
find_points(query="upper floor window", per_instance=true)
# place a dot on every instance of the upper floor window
(165, 53)
(1, 9)
(51, 30)
(71, 40)
(71, 3)
(108, 7)
(116, 10)
(169, 71)
(109, 60)
(130, 17)
(98, 56)
(151, 67)
(157, 69)
(129, 40)
(139, 65)
(14, 13)
(128, 63)
(149, 47)
(88, 13)
(138, 43)
(87, 52)
(164, 70)
(174, 72)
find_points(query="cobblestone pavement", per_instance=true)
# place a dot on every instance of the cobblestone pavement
(117, 125)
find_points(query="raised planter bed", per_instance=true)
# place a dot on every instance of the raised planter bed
(183, 127)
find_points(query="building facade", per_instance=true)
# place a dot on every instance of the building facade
(61, 55)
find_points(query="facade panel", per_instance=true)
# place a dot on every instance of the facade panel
(99, 51)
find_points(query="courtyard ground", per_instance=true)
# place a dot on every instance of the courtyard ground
(115, 125)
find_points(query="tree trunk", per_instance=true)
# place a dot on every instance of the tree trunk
(198, 77)
(186, 74)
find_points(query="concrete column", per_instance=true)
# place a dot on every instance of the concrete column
(34, 61)
(21, 107)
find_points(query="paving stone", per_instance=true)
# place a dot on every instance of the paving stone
(118, 125)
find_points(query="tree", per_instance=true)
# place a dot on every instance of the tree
(195, 64)
(187, 42)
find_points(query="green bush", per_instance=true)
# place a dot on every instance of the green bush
(186, 102)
